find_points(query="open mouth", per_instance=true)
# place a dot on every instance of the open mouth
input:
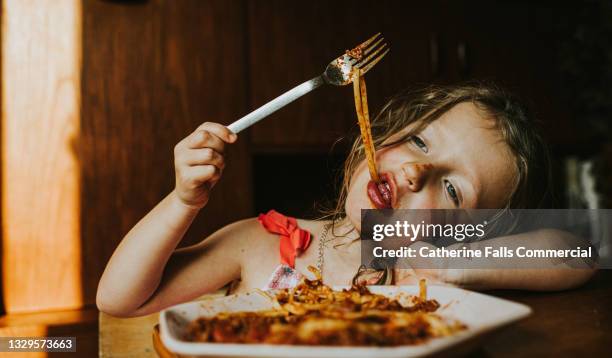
(381, 194)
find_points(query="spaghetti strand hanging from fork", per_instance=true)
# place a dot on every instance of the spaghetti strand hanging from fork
(363, 116)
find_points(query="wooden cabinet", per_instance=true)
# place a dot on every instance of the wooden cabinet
(152, 72)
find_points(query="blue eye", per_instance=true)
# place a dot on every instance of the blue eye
(450, 189)
(419, 143)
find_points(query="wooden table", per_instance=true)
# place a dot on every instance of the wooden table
(564, 324)
(569, 323)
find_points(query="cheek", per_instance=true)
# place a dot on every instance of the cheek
(424, 204)
(352, 208)
(356, 197)
(420, 200)
(386, 158)
(359, 180)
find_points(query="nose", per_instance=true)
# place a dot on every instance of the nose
(416, 174)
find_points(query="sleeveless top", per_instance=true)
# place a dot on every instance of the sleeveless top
(293, 242)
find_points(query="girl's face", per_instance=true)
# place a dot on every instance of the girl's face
(458, 161)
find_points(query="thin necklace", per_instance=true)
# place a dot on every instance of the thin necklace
(322, 243)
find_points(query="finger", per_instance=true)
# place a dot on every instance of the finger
(220, 131)
(203, 138)
(200, 174)
(204, 156)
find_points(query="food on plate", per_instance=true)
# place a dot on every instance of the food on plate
(314, 314)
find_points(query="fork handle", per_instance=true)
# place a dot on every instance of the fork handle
(276, 104)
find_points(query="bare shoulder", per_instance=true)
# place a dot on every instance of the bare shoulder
(241, 228)
(239, 245)
(251, 234)
(247, 235)
(257, 250)
(246, 230)
(254, 238)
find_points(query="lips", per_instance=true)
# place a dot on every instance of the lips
(381, 193)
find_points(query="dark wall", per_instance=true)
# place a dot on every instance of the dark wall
(152, 72)
(511, 43)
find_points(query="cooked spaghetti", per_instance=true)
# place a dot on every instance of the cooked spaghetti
(363, 117)
(313, 314)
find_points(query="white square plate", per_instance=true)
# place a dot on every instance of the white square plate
(481, 313)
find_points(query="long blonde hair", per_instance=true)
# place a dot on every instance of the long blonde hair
(420, 107)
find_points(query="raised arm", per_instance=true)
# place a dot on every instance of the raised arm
(146, 273)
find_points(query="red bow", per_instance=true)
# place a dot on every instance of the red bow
(293, 240)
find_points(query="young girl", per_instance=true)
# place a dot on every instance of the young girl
(468, 146)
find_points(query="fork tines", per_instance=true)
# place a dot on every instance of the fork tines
(371, 51)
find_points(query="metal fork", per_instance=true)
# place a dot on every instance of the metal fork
(339, 72)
